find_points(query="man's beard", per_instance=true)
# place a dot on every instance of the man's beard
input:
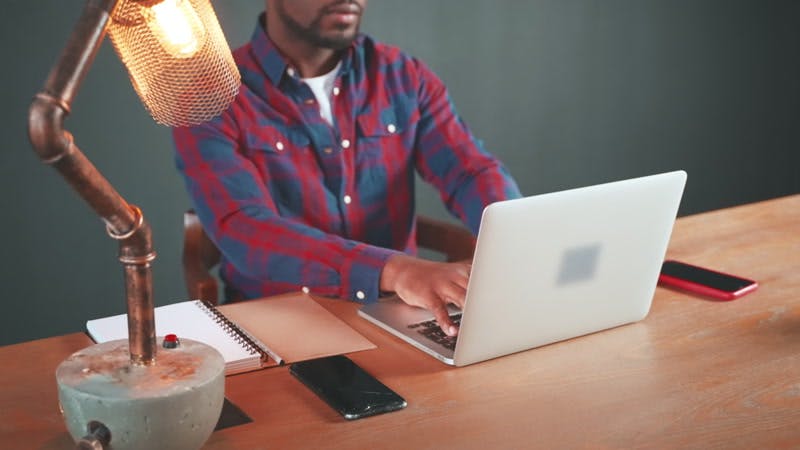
(313, 34)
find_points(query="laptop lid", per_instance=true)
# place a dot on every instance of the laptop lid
(555, 266)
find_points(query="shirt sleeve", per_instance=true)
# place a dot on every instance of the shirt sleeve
(240, 217)
(449, 157)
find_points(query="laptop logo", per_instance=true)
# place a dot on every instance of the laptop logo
(578, 264)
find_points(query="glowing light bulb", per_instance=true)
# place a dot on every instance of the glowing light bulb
(177, 27)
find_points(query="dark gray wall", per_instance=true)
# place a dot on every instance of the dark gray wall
(567, 92)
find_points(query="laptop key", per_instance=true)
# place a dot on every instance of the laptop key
(456, 318)
(430, 329)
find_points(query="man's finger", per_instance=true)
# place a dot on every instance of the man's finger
(454, 293)
(462, 277)
(443, 319)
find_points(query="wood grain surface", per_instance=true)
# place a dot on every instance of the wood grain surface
(695, 374)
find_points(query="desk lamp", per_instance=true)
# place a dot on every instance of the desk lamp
(128, 393)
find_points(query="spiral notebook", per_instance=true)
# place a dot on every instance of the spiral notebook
(250, 335)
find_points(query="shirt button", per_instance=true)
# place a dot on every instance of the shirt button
(336, 90)
(279, 145)
(360, 295)
(309, 101)
(327, 150)
(391, 128)
(290, 71)
(347, 199)
(346, 143)
(306, 290)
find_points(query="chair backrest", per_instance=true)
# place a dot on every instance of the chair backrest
(200, 255)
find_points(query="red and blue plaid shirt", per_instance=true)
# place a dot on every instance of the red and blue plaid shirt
(294, 203)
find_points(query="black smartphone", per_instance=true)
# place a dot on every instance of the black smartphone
(704, 281)
(346, 387)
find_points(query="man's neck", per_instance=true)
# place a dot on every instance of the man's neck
(309, 60)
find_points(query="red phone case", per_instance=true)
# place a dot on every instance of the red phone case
(708, 290)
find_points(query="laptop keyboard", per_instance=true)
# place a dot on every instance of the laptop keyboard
(431, 330)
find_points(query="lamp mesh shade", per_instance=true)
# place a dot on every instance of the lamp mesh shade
(177, 91)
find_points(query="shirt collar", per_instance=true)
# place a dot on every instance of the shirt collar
(274, 64)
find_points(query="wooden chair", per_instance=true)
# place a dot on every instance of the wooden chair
(200, 255)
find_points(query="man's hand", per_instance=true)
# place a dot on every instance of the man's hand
(427, 284)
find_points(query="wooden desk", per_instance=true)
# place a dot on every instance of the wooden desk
(695, 373)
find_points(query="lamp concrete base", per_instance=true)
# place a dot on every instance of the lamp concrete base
(172, 404)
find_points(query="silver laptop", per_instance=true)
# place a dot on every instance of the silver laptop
(552, 267)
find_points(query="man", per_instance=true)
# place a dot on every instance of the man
(307, 180)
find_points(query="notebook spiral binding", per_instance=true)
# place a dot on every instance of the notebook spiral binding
(232, 329)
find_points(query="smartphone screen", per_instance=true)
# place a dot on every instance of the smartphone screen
(704, 281)
(346, 387)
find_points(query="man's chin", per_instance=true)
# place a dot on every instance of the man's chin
(338, 42)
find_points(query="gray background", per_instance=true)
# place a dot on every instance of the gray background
(567, 92)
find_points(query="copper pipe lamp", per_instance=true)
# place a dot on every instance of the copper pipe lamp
(130, 393)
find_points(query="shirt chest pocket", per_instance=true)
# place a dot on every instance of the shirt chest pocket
(384, 132)
(276, 142)
(387, 124)
(277, 154)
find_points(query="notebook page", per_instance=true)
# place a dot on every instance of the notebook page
(188, 320)
(295, 327)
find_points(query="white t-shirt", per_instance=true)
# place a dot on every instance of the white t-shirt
(322, 87)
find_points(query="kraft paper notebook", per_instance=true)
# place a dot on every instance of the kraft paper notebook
(250, 335)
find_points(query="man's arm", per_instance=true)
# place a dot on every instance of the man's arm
(232, 201)
(450, 158)
(468, 179)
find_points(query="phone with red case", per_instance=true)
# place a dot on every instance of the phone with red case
(704, 281)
